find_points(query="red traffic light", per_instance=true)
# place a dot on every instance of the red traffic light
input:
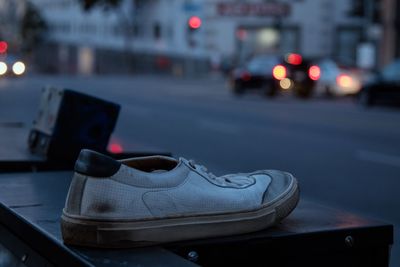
(194, 22)
(3, 47)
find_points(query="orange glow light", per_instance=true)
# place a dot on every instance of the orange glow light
(286, 84)
(344, 80)
(279, 72)
(314, 73)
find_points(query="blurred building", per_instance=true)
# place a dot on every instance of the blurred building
(390, 41)
(157, 35)
(11, 12)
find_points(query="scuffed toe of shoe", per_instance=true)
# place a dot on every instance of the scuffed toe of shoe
(281, 183)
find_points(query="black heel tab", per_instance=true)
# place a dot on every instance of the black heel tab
(92, 163)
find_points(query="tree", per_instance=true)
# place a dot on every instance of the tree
(9, 21)
(89, 4)
(32, 28)
(124, 10)
(22, 26)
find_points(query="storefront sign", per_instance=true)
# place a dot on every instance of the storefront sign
(253, 9)
(191, 7)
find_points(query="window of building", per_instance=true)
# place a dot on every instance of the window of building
(157, 31)
(170, 33)
(137, 29)
(347, 40)
(290, 40)
(392, 72)
(117, 30)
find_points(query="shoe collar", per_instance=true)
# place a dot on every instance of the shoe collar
(151, 163)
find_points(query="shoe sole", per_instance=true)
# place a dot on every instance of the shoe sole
(126, 234)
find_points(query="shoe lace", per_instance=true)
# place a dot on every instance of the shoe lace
(222, 180)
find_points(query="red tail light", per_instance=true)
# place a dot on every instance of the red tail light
(245, 76)
(294, 59)
(314, 73)
(3, 47)
(279, 72)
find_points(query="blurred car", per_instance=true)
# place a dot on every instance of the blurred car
(338, 80)
(10, 65)
(255, 74)
(383, 88)
(272, 74)
(296, 74)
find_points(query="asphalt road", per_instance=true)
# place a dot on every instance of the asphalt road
(343, 155)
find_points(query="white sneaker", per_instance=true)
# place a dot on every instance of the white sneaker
(150, 200)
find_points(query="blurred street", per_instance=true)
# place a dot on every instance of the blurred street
(344, 155)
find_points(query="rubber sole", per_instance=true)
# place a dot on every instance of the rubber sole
(125, 234)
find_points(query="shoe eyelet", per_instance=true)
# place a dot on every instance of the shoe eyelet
(192, 165)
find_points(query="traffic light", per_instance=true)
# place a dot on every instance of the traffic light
(194, 23)
(370, 9)
(193, 26)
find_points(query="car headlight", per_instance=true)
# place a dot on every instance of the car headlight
(18, 68)
(3, 68)
(344, 81)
